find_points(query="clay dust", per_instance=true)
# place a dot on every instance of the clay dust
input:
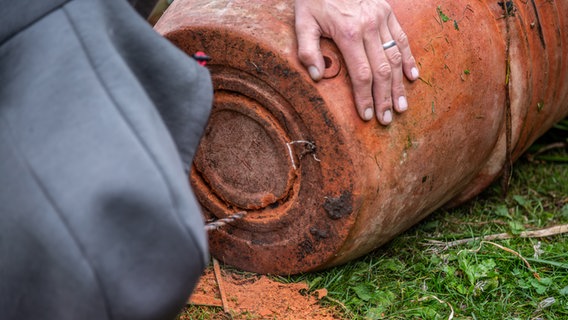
(238, 295)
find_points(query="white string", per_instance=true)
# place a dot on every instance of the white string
(309, 143)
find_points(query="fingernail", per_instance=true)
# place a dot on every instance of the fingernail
(368, 113)
(314, 73)
(414, 73)
(387, 117)
(402, 104)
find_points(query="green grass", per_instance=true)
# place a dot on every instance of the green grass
(202, 313)
(407, 279)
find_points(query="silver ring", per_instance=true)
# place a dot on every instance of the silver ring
(389, 44)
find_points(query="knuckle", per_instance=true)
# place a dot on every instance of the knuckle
(402, 38)
(363, 75)
(398, 89)
(395, 58)
(384, 71)
(383, 103)
(351, 34)
(371, 24)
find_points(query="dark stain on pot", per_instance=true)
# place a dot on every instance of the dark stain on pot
(305, 247)
(319, 234)
(339, 207)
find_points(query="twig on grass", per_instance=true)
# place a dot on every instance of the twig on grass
(478, 223)
(219, 278)
(552, 146)
(442, 245)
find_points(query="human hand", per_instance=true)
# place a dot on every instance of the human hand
(363, 31)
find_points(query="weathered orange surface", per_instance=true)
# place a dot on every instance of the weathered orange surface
(491, 83)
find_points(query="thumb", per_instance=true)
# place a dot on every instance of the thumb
(309, 51)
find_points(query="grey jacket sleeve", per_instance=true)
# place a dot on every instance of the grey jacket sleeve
(97, 220)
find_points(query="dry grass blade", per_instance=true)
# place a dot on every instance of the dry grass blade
(548, 147)
(508, 250)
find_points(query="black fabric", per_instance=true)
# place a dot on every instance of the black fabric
(98, 117)
(144, 7)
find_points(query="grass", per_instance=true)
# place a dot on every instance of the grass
(407, 279)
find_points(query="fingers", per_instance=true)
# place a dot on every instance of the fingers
(382, 78)
(309, 52)
(359, 31)
(389, 64)
(360, 71)
(408, 62)
(394, 58)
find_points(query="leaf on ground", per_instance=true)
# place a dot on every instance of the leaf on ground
(393, 264)
(502, 211)
(564, 211)
(364, 291)
(546, 303)
(541, 286)
(516, 227)
(477, 271)
(520, 200)
(564, 291)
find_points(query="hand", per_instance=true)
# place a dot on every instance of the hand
(359, 29)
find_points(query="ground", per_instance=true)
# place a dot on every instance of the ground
(251, 296)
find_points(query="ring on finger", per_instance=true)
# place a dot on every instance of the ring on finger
(389, 44)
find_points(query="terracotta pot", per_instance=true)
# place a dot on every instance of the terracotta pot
(319, 185)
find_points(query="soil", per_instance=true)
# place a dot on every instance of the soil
(252, 296)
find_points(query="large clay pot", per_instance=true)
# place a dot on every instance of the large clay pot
(319, 185)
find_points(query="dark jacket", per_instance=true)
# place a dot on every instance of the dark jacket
(98, 117)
